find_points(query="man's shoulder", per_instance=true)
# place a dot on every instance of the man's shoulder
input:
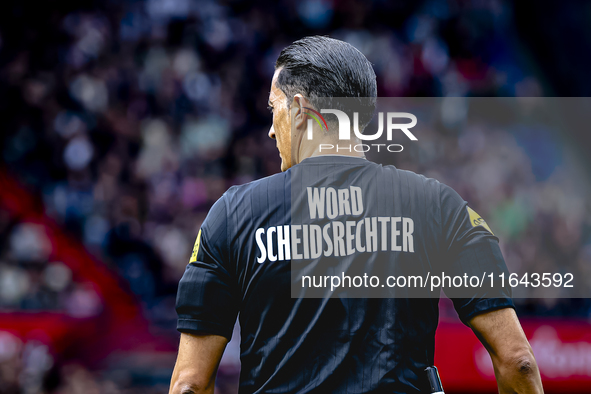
(413, 179)
(264, 186)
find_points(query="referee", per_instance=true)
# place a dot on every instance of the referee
(243, 259)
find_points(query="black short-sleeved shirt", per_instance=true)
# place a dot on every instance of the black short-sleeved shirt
(333, 345)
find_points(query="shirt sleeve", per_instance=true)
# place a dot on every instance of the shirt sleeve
(471, 249)
(206, 299)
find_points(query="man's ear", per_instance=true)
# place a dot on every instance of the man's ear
(298, 108)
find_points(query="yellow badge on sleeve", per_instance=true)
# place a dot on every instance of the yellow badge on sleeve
(476, 220)
(196, 248)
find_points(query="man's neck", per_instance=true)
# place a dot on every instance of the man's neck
(330, 147)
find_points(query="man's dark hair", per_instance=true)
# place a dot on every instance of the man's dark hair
(321, 67)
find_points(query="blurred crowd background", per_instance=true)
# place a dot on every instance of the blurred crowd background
(128, 119)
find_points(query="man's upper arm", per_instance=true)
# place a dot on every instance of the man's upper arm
(207, 305)
(469, 248)
(208, 295)
(197, 363)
